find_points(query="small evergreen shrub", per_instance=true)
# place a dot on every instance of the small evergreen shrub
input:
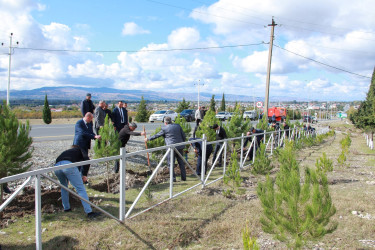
(262, 164)
(232, 177)
(324, 164)
(249, 242)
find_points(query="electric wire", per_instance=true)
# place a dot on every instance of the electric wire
(145, 50)
(344, 70)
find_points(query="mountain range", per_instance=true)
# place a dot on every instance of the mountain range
(79, 93)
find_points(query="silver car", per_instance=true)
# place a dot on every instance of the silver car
(161, 114)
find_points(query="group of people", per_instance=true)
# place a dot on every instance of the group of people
(83, 134)
(172, 133)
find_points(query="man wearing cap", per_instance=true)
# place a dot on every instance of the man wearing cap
(120, 116)
(87, 105)
(124, 137)
(173, 134)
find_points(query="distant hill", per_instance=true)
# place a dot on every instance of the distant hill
(78, 93)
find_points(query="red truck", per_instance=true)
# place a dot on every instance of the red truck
(279, 112)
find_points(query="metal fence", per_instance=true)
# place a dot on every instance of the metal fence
(275, 139)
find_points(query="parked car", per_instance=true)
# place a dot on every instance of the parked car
(223, 116)
(188, 114)
(309, 119)
(161, 114)
(252, 115)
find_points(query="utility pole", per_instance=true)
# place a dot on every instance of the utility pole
(266, 100)
(199, 84)
(9, 67)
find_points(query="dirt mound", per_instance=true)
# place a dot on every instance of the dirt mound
(24, 204)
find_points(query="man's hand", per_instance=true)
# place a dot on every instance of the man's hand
(84, 179)
(248, 133)
(143, 133)
(146, 139)
(98, 137)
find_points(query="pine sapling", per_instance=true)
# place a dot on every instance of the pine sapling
(232, 177)
(158, 142)
(293, 211)
(324, 164)
(249, 242)
(262, 164)
(108, 145)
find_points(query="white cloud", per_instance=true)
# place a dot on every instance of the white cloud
(185, 37)
(131, 29)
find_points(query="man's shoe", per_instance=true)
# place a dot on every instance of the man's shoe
(183, 179)
(174, 179)
(93, 215)
(68, 210)
(6, 190)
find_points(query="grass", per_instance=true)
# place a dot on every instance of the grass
(204, 219)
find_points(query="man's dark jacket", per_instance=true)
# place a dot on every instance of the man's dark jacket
(116, 118)
(83, 135)
(87, 106)
(74, 155)
(221, 134)
(125, 134)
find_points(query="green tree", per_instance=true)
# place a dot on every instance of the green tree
(292, 211)
(213, 104)
(47, 118)
(108, 145)
(15, 145)
(236, 126)
(232, 177)
(142, 114)
(262, 164)
(263, 123)
(249, 242)
(205, 126)
(158, 142)
(222, 106)
(365, 117)
(324, 164)
(182, 105)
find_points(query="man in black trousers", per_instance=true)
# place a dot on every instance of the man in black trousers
(220, 135)
(87, 105)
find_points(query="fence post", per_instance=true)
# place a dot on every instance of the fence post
(225, 157)
(272, 141)
(171, 171)
(264, 137)
(122, 184)
(241, 157)
(38, 214)
(203, 165)
(255, 145)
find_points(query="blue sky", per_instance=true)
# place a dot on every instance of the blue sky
(340, 35)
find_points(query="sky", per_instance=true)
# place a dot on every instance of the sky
(323, 50)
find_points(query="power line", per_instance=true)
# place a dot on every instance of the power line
(344, 70)
(146, 50)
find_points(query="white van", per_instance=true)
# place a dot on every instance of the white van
(252, 115)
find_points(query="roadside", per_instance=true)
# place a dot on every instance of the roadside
(204, 219)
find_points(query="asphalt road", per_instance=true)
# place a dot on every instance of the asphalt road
(66, 131)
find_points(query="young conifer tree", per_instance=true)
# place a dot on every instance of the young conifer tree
(213, 104)
(262, 164)
(142, 114)
(232, 177)
(158, 142)
(108, 145)
(15, 145)
(47, 118)
(182, 105)
(205, 126)
(236, 126)
(292, 211)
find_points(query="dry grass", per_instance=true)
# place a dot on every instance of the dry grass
(204, 219)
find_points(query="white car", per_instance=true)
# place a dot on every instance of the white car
(252, 115)
(223, 116)
(161, 114)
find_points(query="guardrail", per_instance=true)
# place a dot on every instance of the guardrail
(36, 175)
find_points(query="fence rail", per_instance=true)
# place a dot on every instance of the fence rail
(36, 175)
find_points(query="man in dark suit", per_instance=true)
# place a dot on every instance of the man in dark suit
(82, 137)
(87, 105)
(124, 137)
(198, 150)
(99, 116)
(173, 134)
(220, 135)
(120, 116)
